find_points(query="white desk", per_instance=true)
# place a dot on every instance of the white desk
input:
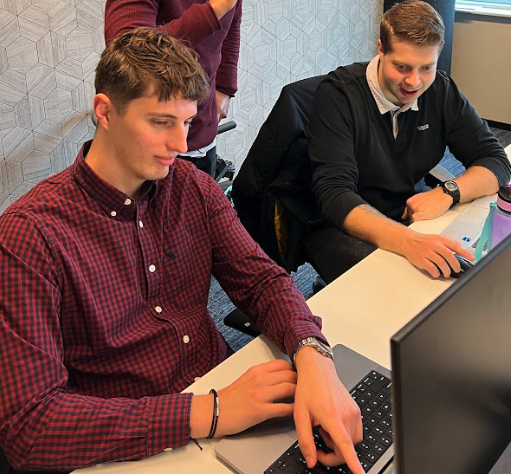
(362, 309)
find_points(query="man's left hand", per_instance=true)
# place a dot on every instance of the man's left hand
(427, 205)
(222, 104)
(322, 400)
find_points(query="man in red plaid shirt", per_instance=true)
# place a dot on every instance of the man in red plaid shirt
(104, 277)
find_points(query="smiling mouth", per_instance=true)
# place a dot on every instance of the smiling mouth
(409, 93)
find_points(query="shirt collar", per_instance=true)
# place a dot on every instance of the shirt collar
(114, 202)
(384, 105)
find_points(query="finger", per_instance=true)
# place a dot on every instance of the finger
(277, 364)
(345, 450)
(444, 264)
(450, 258)
(327, 438)
(465, 253)
(330, 459)
(404, 217)
(431, 268)
(269, 379)
(454, 265)
(280, 391)
(455, 246)
(417, 216)
(279, 410)
(305, 437)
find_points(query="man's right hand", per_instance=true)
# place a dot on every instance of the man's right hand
(221, 7)
(433, 253)
(253, 398)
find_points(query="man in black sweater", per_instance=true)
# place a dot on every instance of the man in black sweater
(376, 130)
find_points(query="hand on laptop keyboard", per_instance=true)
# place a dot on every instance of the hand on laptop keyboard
(322, 400)
(373, 395)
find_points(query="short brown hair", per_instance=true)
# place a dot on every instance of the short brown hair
(144, 60)
(413, 21)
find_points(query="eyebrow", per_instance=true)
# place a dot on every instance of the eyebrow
(399, 63)
(170, 116)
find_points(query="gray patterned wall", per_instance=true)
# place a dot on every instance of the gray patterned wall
(49, 49)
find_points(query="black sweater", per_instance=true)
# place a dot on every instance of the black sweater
(356, 159)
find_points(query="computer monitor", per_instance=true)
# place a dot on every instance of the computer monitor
(452, 375)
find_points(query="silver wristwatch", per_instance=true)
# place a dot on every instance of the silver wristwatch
(321, 347)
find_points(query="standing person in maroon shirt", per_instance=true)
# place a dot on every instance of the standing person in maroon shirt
(212, 29)
(105, 271)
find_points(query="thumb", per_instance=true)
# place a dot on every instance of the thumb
(404, 217)
(418, 216)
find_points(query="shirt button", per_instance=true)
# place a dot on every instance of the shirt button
(158, 309)
(152, 268)
(113, 213)
(186, 339)
(127, 202)
(141, 224)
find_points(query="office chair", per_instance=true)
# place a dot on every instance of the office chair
(272, 190)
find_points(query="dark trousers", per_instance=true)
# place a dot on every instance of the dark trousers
(332, 252)
(5, 468)
(206, 163)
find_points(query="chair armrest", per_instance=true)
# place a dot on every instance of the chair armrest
(437, 176)
(237, 319)
(225, 127)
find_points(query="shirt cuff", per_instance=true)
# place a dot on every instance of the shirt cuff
(169, 422)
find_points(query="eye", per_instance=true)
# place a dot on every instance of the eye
(160, 123)
(427, 68)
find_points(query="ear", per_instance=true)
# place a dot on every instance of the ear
(102, 108)
(380, 50)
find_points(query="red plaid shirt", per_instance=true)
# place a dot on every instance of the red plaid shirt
(103, 313)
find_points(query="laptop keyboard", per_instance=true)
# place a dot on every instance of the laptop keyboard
(372, 395)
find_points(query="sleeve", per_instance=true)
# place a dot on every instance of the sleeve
(193, 26)
(331, 149)
(253, 282)
(42, 425)
(227, 74)
(469, 138)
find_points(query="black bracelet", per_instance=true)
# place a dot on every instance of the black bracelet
(216, 412)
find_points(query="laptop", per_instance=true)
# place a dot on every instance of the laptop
(450, 386)
(467, 227)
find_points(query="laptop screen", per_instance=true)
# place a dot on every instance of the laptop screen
(452, 375)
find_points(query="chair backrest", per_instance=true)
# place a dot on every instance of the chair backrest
(277, 166)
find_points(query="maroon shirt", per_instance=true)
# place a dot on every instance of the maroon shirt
(195, 23)
(103, 313)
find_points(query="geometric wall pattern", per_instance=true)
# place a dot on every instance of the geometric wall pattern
(49, 49)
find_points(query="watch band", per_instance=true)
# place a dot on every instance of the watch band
(321, 347)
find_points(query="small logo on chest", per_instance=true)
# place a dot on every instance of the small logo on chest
(421, 128)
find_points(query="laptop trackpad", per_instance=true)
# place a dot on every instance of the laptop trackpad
(272, 438)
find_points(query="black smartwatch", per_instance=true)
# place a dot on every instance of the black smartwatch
(452, 189)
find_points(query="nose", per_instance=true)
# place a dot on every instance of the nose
(413, 78)
(177, 139)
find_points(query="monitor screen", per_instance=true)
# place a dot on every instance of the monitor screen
(452, 375)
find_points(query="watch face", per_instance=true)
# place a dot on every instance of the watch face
(451, 186)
